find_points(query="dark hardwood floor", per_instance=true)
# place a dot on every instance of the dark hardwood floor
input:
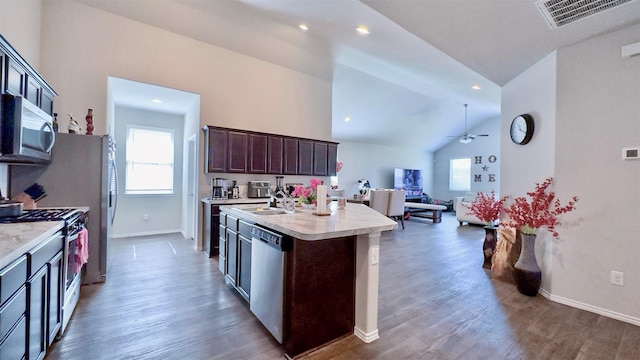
(163, 300)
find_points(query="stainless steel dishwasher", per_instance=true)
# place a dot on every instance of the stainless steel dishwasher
(268, 256)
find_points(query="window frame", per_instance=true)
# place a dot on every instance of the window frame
(453, 174)
(149, 192)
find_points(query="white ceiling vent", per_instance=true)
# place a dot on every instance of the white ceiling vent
(562, 12)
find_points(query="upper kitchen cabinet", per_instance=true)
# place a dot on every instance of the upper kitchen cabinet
(320, 158)
(238, 146)
(290, 156)
(275, 153)
(305, 157)
(250, 152)
(332, 159)
(258, 153)
(19, 78)
(216, 151)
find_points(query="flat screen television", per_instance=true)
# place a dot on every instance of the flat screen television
(409, 180)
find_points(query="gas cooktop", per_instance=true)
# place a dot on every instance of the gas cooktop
(45, 214)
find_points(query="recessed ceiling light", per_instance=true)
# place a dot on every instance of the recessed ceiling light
(156, 101)
(303, 27)
(362, 30)
(476, 87)
(347, 119)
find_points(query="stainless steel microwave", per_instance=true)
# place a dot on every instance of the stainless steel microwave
(26, 132)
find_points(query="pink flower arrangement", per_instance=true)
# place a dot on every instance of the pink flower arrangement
(542, 210)
(307, 195)
(487, 208)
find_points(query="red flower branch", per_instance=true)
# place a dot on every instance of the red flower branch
(542, 210)
(487, 208)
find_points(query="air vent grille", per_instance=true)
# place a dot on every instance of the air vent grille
(562, 12)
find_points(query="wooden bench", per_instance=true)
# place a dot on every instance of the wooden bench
(435, 210)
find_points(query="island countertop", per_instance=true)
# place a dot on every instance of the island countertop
(354, 219)
(17, 239)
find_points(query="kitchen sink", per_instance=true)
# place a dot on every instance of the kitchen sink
(264, 211)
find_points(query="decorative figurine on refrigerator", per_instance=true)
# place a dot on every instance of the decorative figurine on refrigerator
(74, 127)
(89, 119)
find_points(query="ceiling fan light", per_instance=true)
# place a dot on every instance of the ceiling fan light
(465, 140)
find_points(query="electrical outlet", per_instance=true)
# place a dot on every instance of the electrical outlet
(145, 217)
(375, 255)
(617, 278)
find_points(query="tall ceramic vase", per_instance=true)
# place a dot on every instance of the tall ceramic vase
(526, 271)
(489, 245)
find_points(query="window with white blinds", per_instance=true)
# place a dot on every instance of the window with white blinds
(460, 174)
(150, 155)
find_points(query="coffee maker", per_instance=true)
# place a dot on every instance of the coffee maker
(219, 189)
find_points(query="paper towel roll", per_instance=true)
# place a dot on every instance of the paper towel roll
(321, 206)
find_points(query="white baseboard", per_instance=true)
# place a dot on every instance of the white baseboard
(367, 338)
(591, 308)
(146, 233)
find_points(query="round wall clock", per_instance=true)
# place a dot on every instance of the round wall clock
(522, 129)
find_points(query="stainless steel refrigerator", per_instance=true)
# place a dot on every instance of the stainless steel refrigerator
(82, 172)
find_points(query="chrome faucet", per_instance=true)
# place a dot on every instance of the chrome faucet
(288, 202)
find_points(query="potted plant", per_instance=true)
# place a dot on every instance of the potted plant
(528, 215)
(488, 208)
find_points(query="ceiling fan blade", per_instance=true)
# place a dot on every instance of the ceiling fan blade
(482, 135)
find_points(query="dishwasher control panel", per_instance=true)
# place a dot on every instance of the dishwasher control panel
(276, 240)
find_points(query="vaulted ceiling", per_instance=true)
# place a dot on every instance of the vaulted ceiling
(406, 81)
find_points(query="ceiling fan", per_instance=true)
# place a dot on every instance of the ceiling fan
(466, 137)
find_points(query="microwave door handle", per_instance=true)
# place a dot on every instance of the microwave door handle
(52, 136)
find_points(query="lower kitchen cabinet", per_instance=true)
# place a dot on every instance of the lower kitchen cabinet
(210, 229)
(236, 254)
(55, 268)
(37, 314)
(31, 293)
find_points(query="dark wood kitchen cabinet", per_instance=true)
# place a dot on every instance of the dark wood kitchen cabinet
(320, 158)
(243, 284)
(13, 308)
(210, 229)
(216, 149)
(305, 157)
(275, 153)
(258, 153)
(31, 295)
(238, 151)
(237, 253)
(290, 156)
(37, 314)
(20, 79)
(232, 250)
(248, 152)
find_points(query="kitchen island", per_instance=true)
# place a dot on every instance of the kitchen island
(332, 272)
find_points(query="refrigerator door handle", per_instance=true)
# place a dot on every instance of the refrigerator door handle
(115, 195)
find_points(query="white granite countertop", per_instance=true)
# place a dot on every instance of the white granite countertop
(235, 201)
(17, 239)
(355, 219)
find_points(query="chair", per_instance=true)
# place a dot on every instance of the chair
(379, 200)
(396, 205)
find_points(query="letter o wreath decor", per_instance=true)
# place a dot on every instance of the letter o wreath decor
(492, 159)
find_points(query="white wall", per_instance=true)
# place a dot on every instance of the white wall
(484, 153)
(164, 211)
(376, 164)
(586, 104)
(20, 26)
(82, 46)
(598, 113)
(532, 92)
